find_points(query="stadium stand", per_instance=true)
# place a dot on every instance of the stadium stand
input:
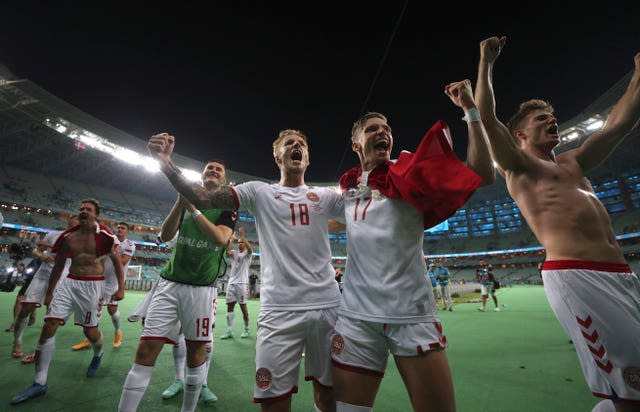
(53, 154)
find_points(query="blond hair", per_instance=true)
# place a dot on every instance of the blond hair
(283, 134)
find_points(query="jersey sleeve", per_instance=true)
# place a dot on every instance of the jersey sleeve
(50, 238)
(128, 248)
(247, 193)
(336, 206)
(227, 218)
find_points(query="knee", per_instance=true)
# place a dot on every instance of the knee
(93, 334)
(49, 328)
(25, 310)
(146, 354)
(325, 399)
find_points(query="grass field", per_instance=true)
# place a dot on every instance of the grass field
(518, 359)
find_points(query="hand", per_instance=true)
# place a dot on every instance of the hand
(161, 146)
(119, 295)
(186, 204)
(48, 259)
(461, 94)
(490, 48)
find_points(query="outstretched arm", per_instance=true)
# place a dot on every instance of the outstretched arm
(244, 240)
(623, 118)
(504, 149)
(160, 147)
(39, 250)
(478, 156)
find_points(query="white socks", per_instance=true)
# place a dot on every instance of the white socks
(605, 405)
(193, 385)
(97, 346)
(134, 387)
(18, 330)
(347, 407)
(207, 360)
(230, 317)
(180, 357)
(44, 354)
(115, 319)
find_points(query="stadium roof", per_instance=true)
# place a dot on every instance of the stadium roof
(28, 140)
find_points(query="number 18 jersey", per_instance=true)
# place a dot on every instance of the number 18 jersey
(295, 255)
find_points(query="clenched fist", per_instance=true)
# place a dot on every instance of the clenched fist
(461, 94)
(161, 145)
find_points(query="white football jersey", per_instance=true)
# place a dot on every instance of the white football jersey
(295, 255)
(45, 268)
(127, 248)
(384, 278)
(238, 267)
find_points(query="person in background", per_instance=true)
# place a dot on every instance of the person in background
(444, 280)
(435, 286)
(239, 262)
(339, 276)
(253, 284)
(36, 292)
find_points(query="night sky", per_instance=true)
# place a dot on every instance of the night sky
(225, 79)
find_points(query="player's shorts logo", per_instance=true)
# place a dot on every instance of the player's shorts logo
(313, 197)
(263, 379)
(632, 377)
(337, 344)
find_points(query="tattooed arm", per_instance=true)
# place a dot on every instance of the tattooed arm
(160, 147)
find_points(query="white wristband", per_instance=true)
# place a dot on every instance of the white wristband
(473, 115)
(196, 213)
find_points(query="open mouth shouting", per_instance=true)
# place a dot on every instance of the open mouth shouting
(296, 155)
(382, 144)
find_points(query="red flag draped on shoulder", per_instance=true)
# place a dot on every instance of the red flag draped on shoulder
(105, 240)
(433, 179)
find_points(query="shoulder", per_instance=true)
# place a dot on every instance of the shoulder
(252, 184)
(318, 193)
(248, 192)
(227, 215)
(349, 178)
(104, 229)
(127, 245)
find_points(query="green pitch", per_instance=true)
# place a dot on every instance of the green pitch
(518, 359)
